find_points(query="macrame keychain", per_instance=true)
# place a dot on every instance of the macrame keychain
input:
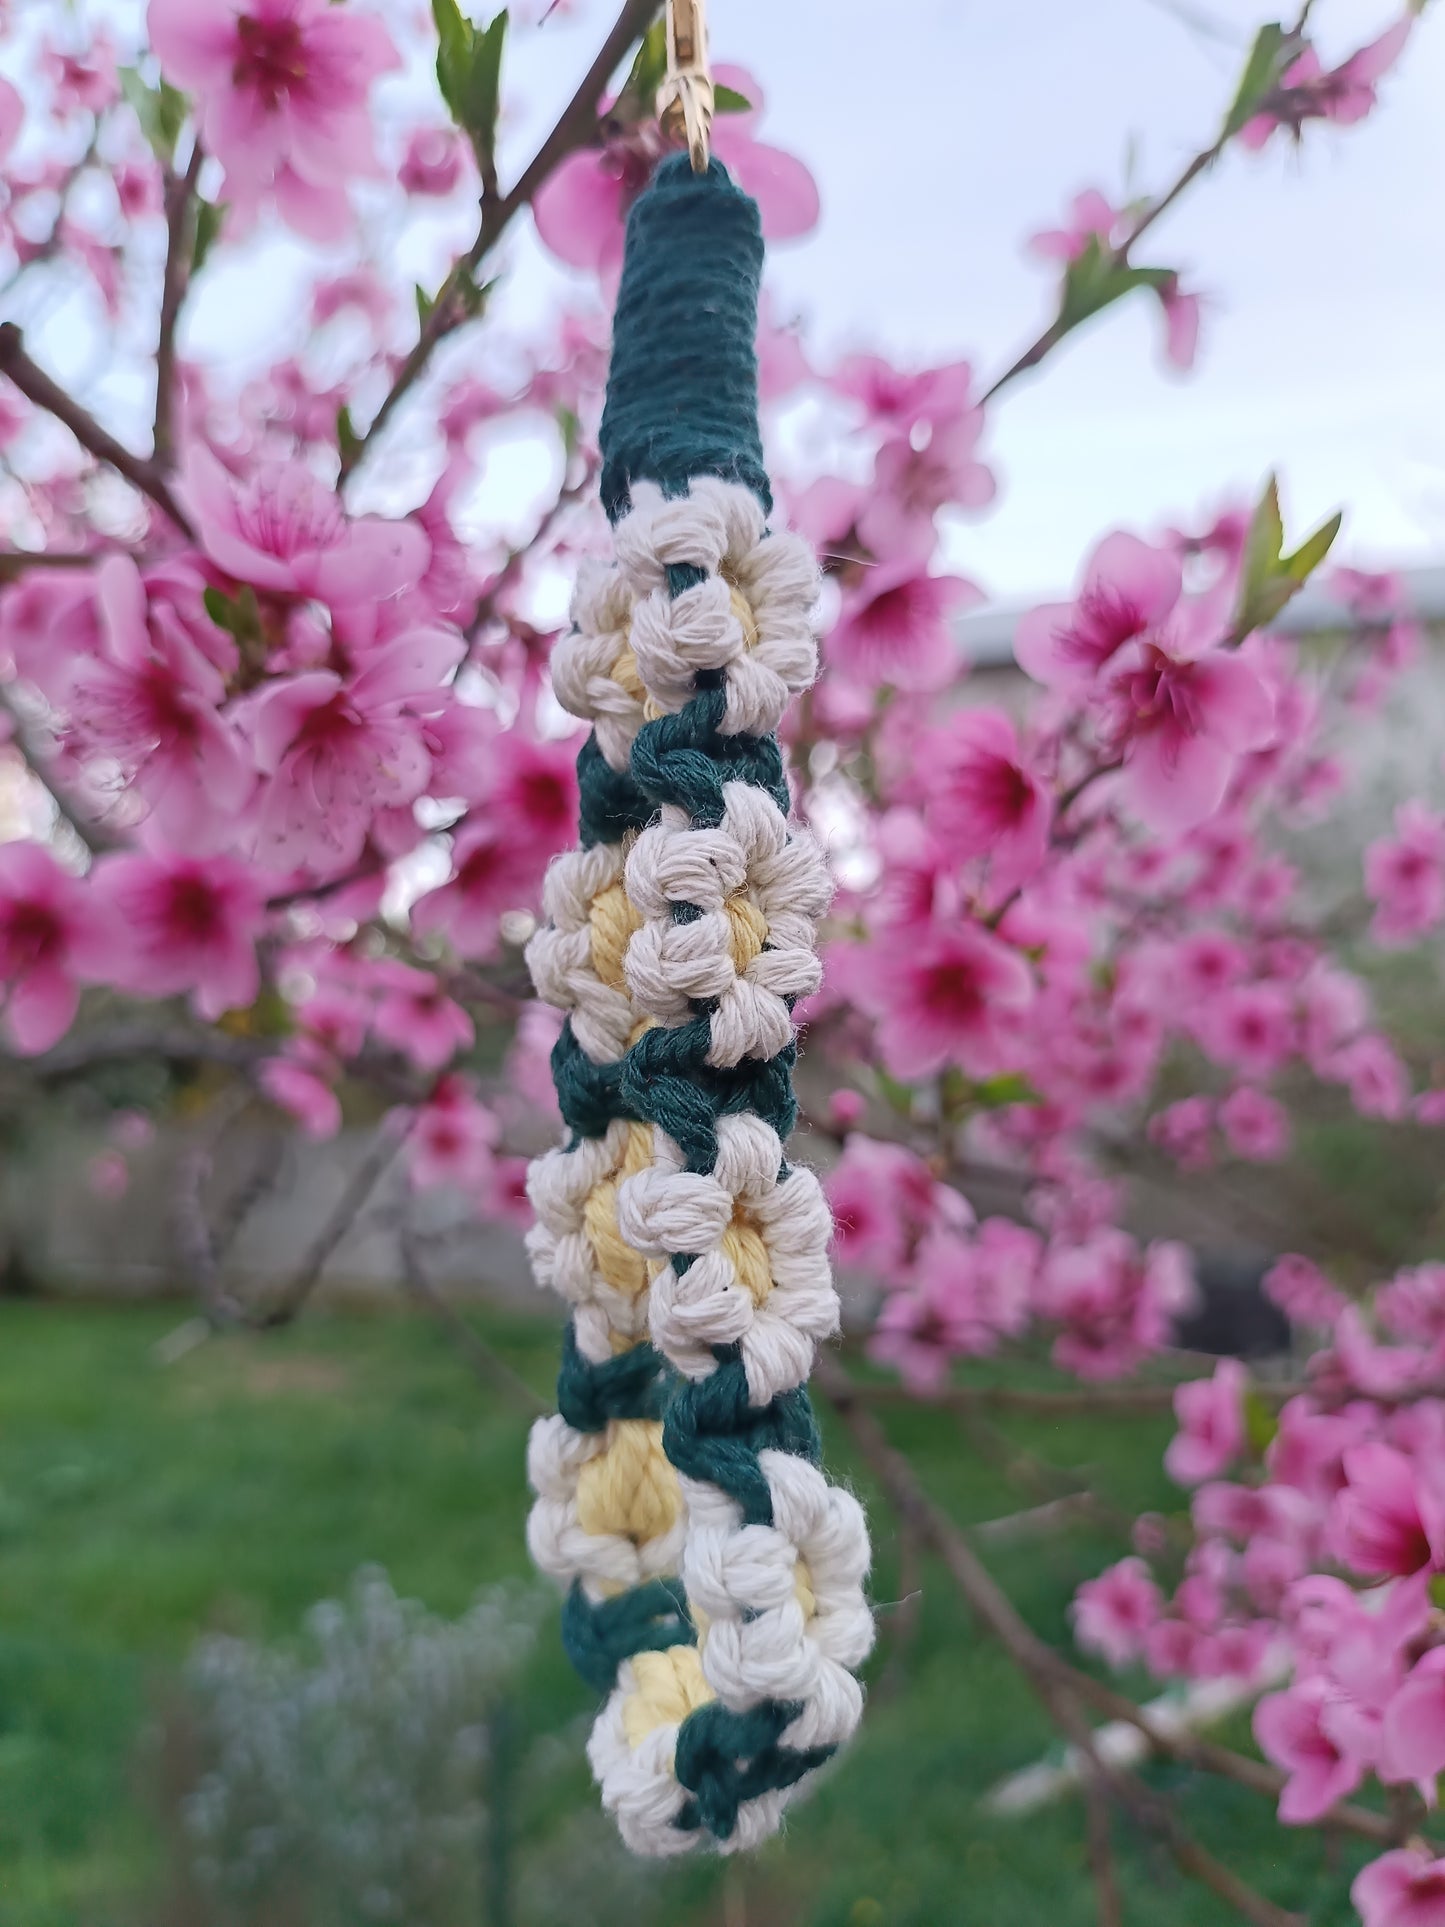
(714, 1578)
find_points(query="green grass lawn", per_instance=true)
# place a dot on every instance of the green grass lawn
(143, 1504)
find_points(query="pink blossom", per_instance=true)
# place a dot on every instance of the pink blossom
(1405, 875)
(1113, 1613)
(1412, 1738)
(581, 207)
(894, 628)
(336, 753)
(12, 118)
(1344, 95)
(985, 798)
(1292, 1730)
(150, 699)
(54, 936)
(944, 997)
(899, 400)
(303, 1095)
(1091, 218)
(1302, 1291)
(1181, 324)
(884, 1198)
(1412, 1305)
(912, 481)
(1251, 1028)
(492, 873)
(415, 1016)
(283, 530)
(433, 161)
(1128, 589)
(1184, 1131)
(1255, 1125)
(1405, 1888)
(185, 924)
(1388, 1519)
(1379, 1083)
(1182, 714)
(1210, 1412)
(452, 1139)
(1115, 1303)
(281, 88)
(108, 1175)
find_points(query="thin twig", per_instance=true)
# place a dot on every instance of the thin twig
(1101, 1852)
(489, 1366)
(194, 1240)
(67, 806)
(385, 1148)
(180, 195)
(576, 127)
(1065, 1402)
(1059, 1686)
(1058, 328)
(46, 393)
(171, 1044)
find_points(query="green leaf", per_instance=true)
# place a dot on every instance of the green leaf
(649, 68)
(898, 1095)
(424, 305)
(209, 217)
(1437, 1589)
(571, 429)
(473, 295)
(484, 90)
(160, 110)
(1313, 550)
(1271, 54)
(455, 34)
(469, 73)
(1010, 1087)
(239, 615)
(727, 100)
(1269, 579)
(1260, 1422)
(347, 440)
(1096, 278)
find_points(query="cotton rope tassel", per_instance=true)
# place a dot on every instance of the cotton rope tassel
(714, 1577)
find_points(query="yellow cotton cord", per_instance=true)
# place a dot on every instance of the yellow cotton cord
(623, 1268)
(630, 1489)
(670, 1685)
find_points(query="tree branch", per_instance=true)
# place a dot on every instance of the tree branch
(40, 388)
(1059, 1685)
(575, 128)
(68, 807)
(180, 197)
(493, 1370)
(384, 1150)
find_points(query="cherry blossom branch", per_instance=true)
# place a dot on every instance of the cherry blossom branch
(1041, 1665)
(575, 128)
(1118, 255)
(46, 393)
(180, 196)
(383, 1153)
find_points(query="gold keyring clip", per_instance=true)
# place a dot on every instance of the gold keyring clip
(685, 101)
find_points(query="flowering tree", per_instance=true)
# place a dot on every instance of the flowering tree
(291, 776)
